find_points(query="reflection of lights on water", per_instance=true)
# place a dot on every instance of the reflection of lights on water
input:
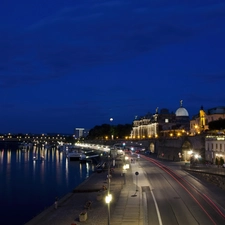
(80, 170)
(2, 154)
(8, 156)
(88, 169)
(67, 170)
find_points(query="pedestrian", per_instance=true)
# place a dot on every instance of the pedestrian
(56, 202)
(104, 188)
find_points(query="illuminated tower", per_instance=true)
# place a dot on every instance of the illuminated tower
(202, 119)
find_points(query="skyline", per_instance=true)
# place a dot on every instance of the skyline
(65, 65)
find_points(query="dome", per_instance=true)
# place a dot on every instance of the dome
(181, 111)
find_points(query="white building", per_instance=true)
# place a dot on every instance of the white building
(214, 147)
(80, 132)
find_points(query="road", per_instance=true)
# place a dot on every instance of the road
(172, 196)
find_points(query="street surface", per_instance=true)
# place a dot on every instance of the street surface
(171, 196)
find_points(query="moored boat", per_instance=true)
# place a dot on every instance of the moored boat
(25, 145)
(75, 155)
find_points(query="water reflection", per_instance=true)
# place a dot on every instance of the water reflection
(25, 180)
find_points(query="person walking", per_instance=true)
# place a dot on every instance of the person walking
(56, 202)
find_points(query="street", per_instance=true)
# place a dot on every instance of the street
(173, 196)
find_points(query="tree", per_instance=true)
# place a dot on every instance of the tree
(118, 131)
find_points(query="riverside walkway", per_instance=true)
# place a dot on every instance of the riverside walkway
(125, 208)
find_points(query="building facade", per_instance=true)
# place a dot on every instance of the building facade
(200, 122)
(80, 133)
(163, 123)
(215, 148)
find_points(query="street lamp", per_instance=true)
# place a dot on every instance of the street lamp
(125, 167)
(124, 173)
(111, 119)
(108, 199)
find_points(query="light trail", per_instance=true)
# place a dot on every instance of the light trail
(176, 177)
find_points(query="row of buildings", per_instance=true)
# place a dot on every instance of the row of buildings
(172, 125)
(165, 123)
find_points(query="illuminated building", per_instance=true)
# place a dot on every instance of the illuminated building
(80, 132)
(214, 148)
(163, 123)
(199, 123)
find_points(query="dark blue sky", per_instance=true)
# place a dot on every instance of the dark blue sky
(67, 64)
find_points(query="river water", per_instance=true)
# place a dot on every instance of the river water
(29, 186)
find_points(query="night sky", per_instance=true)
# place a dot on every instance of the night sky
(77, 63)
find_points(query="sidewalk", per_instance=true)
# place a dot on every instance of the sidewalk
(128, 210)
(125, 208)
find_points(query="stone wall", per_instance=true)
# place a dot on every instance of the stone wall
(167, 148)
(217, 180)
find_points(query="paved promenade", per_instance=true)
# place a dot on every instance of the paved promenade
(125, 208)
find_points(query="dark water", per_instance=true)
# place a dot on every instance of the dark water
(27, 186)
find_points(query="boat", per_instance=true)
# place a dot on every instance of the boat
(68, 148)
(88, 156)
(24, 145)
(75, 155)
(47, 146)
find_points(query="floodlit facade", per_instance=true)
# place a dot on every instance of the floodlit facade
(163, 123)
(214, 147)
(199, 123)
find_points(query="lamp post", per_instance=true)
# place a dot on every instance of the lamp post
(125, 167)
(108, 199)
(136, 173)
(112, 137)
(124, 173)
(109, 175)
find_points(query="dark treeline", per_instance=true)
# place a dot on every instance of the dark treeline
(105, 131)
